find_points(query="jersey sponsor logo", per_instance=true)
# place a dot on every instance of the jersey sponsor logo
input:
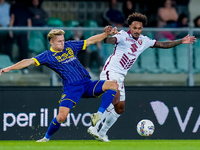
(71, 59)
(69, 54)
(130, 40)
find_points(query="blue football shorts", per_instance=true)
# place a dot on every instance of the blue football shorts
(73, 93)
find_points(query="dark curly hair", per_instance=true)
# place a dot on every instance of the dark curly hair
(137, 17)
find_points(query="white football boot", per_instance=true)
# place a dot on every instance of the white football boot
(44, 139)
(103, 138)
(93, 131)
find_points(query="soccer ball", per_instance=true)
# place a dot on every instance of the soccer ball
(145, 127)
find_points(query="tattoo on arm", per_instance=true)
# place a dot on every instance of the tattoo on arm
(168, 44)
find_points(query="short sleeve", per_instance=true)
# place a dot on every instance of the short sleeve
(150, 42)
(41, 59)
(120, 36)
(77, 45)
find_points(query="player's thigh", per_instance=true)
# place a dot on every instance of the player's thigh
(107, 75)
(108, 84)
(93, 89)
(71, 96)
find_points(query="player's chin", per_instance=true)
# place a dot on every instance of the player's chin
(136, 36)
(62, 47)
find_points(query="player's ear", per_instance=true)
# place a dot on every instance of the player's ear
(51, 41)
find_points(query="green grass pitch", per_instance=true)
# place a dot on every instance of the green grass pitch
(95, 145)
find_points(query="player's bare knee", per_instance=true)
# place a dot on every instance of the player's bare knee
(61, 118)
(113, 85)
(119, 107)
(110, 85)
(119, 110)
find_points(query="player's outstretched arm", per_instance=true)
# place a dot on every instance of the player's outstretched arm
(99, 37)
(168, 44)
(21, 64)
(111, 40)
(188, 39)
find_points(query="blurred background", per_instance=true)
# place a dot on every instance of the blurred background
(24, 26)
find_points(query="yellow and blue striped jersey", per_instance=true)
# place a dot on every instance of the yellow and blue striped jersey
(65, 62)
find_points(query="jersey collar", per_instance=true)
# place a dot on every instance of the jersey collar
(51, 49)
(130, 35)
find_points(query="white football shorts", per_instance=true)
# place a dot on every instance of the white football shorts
(107, 75)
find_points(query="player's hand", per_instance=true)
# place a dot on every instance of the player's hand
(4, 70)
(188, 39)
(107, 29)
(113, 31)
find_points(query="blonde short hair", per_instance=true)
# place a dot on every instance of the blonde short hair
(54, 33)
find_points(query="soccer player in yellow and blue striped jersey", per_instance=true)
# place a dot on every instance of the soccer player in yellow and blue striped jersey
(62, 58)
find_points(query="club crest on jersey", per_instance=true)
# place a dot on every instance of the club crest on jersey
(140, 41)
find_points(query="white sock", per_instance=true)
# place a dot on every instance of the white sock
(110, 120)
(104, 115)
(100, 114)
